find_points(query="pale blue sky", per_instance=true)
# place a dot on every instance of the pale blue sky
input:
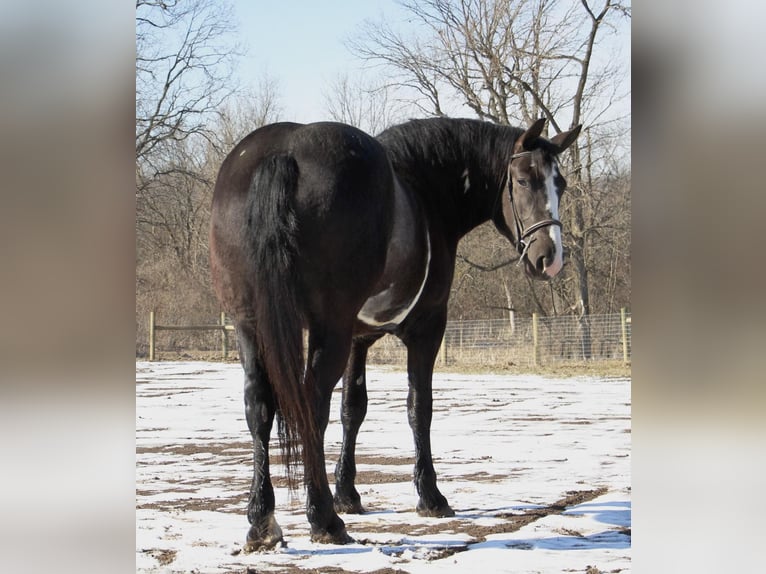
(300, 44)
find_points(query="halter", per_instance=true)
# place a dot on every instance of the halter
(521, 234)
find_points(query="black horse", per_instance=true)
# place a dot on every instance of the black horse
(325, 228)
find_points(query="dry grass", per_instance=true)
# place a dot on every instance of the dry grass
(475, 363)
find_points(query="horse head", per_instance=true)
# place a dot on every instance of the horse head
(530, 202)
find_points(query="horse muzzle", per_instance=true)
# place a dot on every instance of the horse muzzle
(541, 251)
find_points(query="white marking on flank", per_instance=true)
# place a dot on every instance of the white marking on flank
(242, 152)
(554, 230)
(402, 315)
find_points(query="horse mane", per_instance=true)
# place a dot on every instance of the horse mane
(447, 138)
(432, 155)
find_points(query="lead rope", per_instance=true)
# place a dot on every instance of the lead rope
(524, 251)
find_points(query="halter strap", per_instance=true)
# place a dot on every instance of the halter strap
(522, 245)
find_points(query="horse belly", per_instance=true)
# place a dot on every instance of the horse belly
(407, 262)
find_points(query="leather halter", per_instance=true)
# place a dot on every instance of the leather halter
(522, 246)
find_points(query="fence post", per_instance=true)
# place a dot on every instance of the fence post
(224, 339)
(151, 335)
(624, 329)
(535, 350)
(443, 350)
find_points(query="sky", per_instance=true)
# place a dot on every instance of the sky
(300, 44)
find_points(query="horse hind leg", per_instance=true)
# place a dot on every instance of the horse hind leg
(353, 411)
(327, 355)
(259, 412)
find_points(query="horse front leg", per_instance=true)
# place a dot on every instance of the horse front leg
(259, 412)
(421, 355)
(353, 411)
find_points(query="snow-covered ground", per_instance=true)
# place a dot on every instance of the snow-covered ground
(537, 470)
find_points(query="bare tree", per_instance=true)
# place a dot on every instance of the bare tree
(510, 63)
(173, 216)
(184, 62)
(248, 110)
(189, 112)
(173, 213)
(361, 103)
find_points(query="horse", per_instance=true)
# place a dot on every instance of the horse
(325, 228)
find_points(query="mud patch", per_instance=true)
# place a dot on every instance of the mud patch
(374, 477)
(163, 557)
(385, 460)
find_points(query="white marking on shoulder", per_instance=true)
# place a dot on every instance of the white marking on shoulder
(466, 180)
(552, 205)
(242, 152)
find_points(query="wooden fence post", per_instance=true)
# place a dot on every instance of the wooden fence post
(224, 338)
(443, 350)
(624, 329)
(151, 335)
(535, 349)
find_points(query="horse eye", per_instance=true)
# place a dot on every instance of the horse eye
(522, 182)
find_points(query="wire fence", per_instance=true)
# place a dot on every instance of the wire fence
(523, 341)
(526, 341)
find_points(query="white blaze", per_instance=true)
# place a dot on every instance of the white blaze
(554, 230)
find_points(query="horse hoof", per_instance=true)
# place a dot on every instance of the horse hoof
(262, 544)
(339, 536)
(348, 506)
(265, 537)
(444, 511)
(329, 538)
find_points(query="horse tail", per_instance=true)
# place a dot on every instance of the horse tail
(273, 237)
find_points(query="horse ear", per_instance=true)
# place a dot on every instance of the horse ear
(563, 140)
(527, 139)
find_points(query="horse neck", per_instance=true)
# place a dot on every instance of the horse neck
(456, 167)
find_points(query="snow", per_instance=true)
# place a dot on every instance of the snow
(504, 445)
